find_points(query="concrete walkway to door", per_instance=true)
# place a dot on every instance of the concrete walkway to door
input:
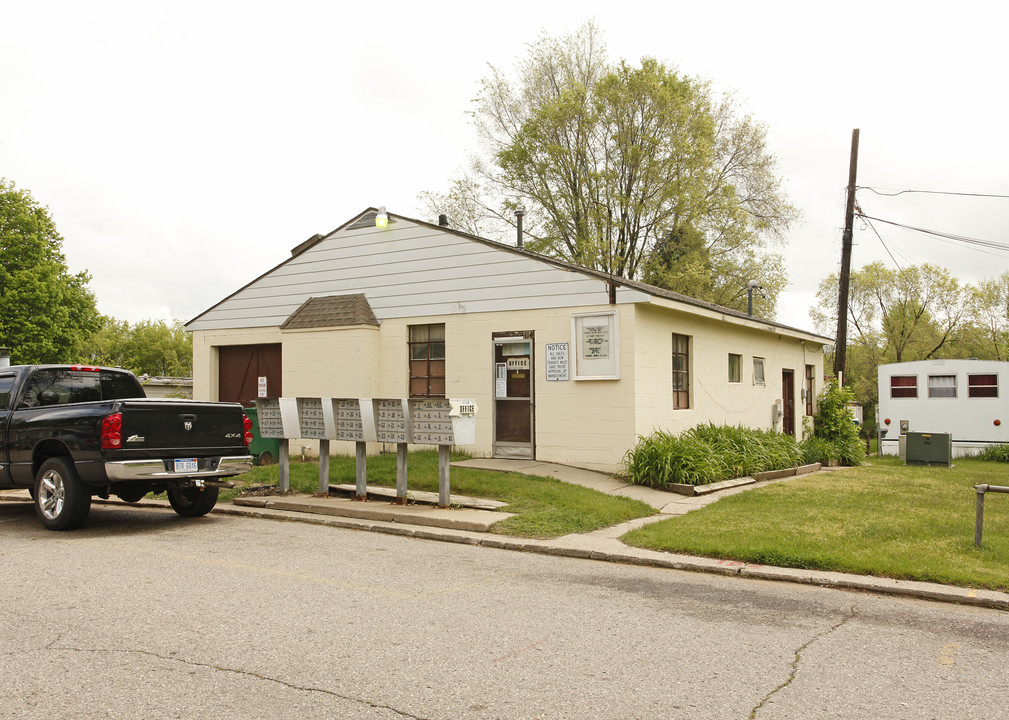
(666, 503)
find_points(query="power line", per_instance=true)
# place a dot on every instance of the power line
(932, 192)
(944, 236)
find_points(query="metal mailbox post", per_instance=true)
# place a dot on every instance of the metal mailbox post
(278, 418)
(437, 421)
(355, 422)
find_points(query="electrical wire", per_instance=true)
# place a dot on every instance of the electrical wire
(944, 236)
(930, 192)
(872, 227)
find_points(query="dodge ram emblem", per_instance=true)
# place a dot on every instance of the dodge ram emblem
(188, 424)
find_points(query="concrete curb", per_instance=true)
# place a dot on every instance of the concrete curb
(612, 550)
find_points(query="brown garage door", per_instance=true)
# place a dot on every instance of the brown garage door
(241, 366)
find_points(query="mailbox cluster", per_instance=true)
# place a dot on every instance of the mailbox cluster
(399, 420)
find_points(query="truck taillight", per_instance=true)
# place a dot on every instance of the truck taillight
(112, 432)
(248, 429)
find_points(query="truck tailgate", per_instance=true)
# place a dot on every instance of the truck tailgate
(182, 425)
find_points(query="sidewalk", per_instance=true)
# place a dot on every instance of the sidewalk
(469, 525)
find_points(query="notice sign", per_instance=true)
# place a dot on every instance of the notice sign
(262, 387)
(595, 341)
(557, 362)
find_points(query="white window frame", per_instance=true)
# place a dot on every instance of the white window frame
(759, 362)
(941, 389)
(739, 369)
(600, 361)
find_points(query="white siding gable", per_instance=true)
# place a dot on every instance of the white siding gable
(408, 270)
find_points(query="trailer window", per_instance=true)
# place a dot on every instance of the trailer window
(982, 385)
(942, 386)
(903, 386)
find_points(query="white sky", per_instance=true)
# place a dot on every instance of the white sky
(184, 148)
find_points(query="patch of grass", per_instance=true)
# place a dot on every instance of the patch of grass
(543, 507)
(884, 519)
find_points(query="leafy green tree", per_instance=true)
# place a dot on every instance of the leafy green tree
(614, 164)
(46, 312)
(833, 423)
(915, 313)
(986, 335)
(148, 347)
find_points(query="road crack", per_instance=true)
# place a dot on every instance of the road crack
(798, 659)
(239, 671)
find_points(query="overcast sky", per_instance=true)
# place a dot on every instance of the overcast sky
(184, 148)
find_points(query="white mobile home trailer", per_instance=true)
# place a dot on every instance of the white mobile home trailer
(961, 397)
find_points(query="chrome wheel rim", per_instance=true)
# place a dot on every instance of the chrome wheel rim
(51, 495)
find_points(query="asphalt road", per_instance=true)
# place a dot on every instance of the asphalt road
(142, 614)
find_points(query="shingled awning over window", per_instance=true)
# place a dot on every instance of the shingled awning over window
(334, 311)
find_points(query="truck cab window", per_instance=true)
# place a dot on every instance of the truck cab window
(6, 383)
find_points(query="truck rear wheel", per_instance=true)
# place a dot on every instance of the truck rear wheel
(192, 501)
(62, 501)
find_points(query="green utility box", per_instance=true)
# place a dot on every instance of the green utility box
(264, 451)
(929, 449)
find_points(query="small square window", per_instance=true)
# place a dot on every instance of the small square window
(758, 371)
(942, 386)
(735, 367)
(903, 386)
(982, 385)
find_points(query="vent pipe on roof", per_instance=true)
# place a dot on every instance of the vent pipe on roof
(750, 287)
(5, 357)
(443, 220)
(518, 217)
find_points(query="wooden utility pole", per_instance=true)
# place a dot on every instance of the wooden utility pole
(841, 345)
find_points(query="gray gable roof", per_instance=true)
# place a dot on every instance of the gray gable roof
(334, 311)
(415, 268)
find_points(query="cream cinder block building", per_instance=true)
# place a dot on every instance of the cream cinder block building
(566, 364)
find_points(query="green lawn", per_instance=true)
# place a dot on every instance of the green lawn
(543, 507)
(883, 518)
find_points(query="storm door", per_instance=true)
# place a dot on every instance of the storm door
(788, 402)
(513, 395)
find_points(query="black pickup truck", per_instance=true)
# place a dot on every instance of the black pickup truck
(70, 432)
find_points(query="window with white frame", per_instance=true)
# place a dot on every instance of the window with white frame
(982, 385)
(942, 386)
(758, 371)
(903, 386)
(735, 367)
(681, 372)
(597, 345)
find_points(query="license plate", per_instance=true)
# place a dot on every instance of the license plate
(186, 465)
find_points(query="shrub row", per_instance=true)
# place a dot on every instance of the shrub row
(711, 453)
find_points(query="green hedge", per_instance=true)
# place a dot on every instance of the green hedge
(708, 453)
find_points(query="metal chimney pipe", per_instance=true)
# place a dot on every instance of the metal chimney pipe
(518, 217)
(443, 220)
(5, 357)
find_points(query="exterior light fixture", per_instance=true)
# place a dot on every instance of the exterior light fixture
(382, 218)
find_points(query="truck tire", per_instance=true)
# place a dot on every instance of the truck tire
(193, 502)
(62, 501)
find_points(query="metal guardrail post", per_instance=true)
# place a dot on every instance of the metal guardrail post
(979, 511)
